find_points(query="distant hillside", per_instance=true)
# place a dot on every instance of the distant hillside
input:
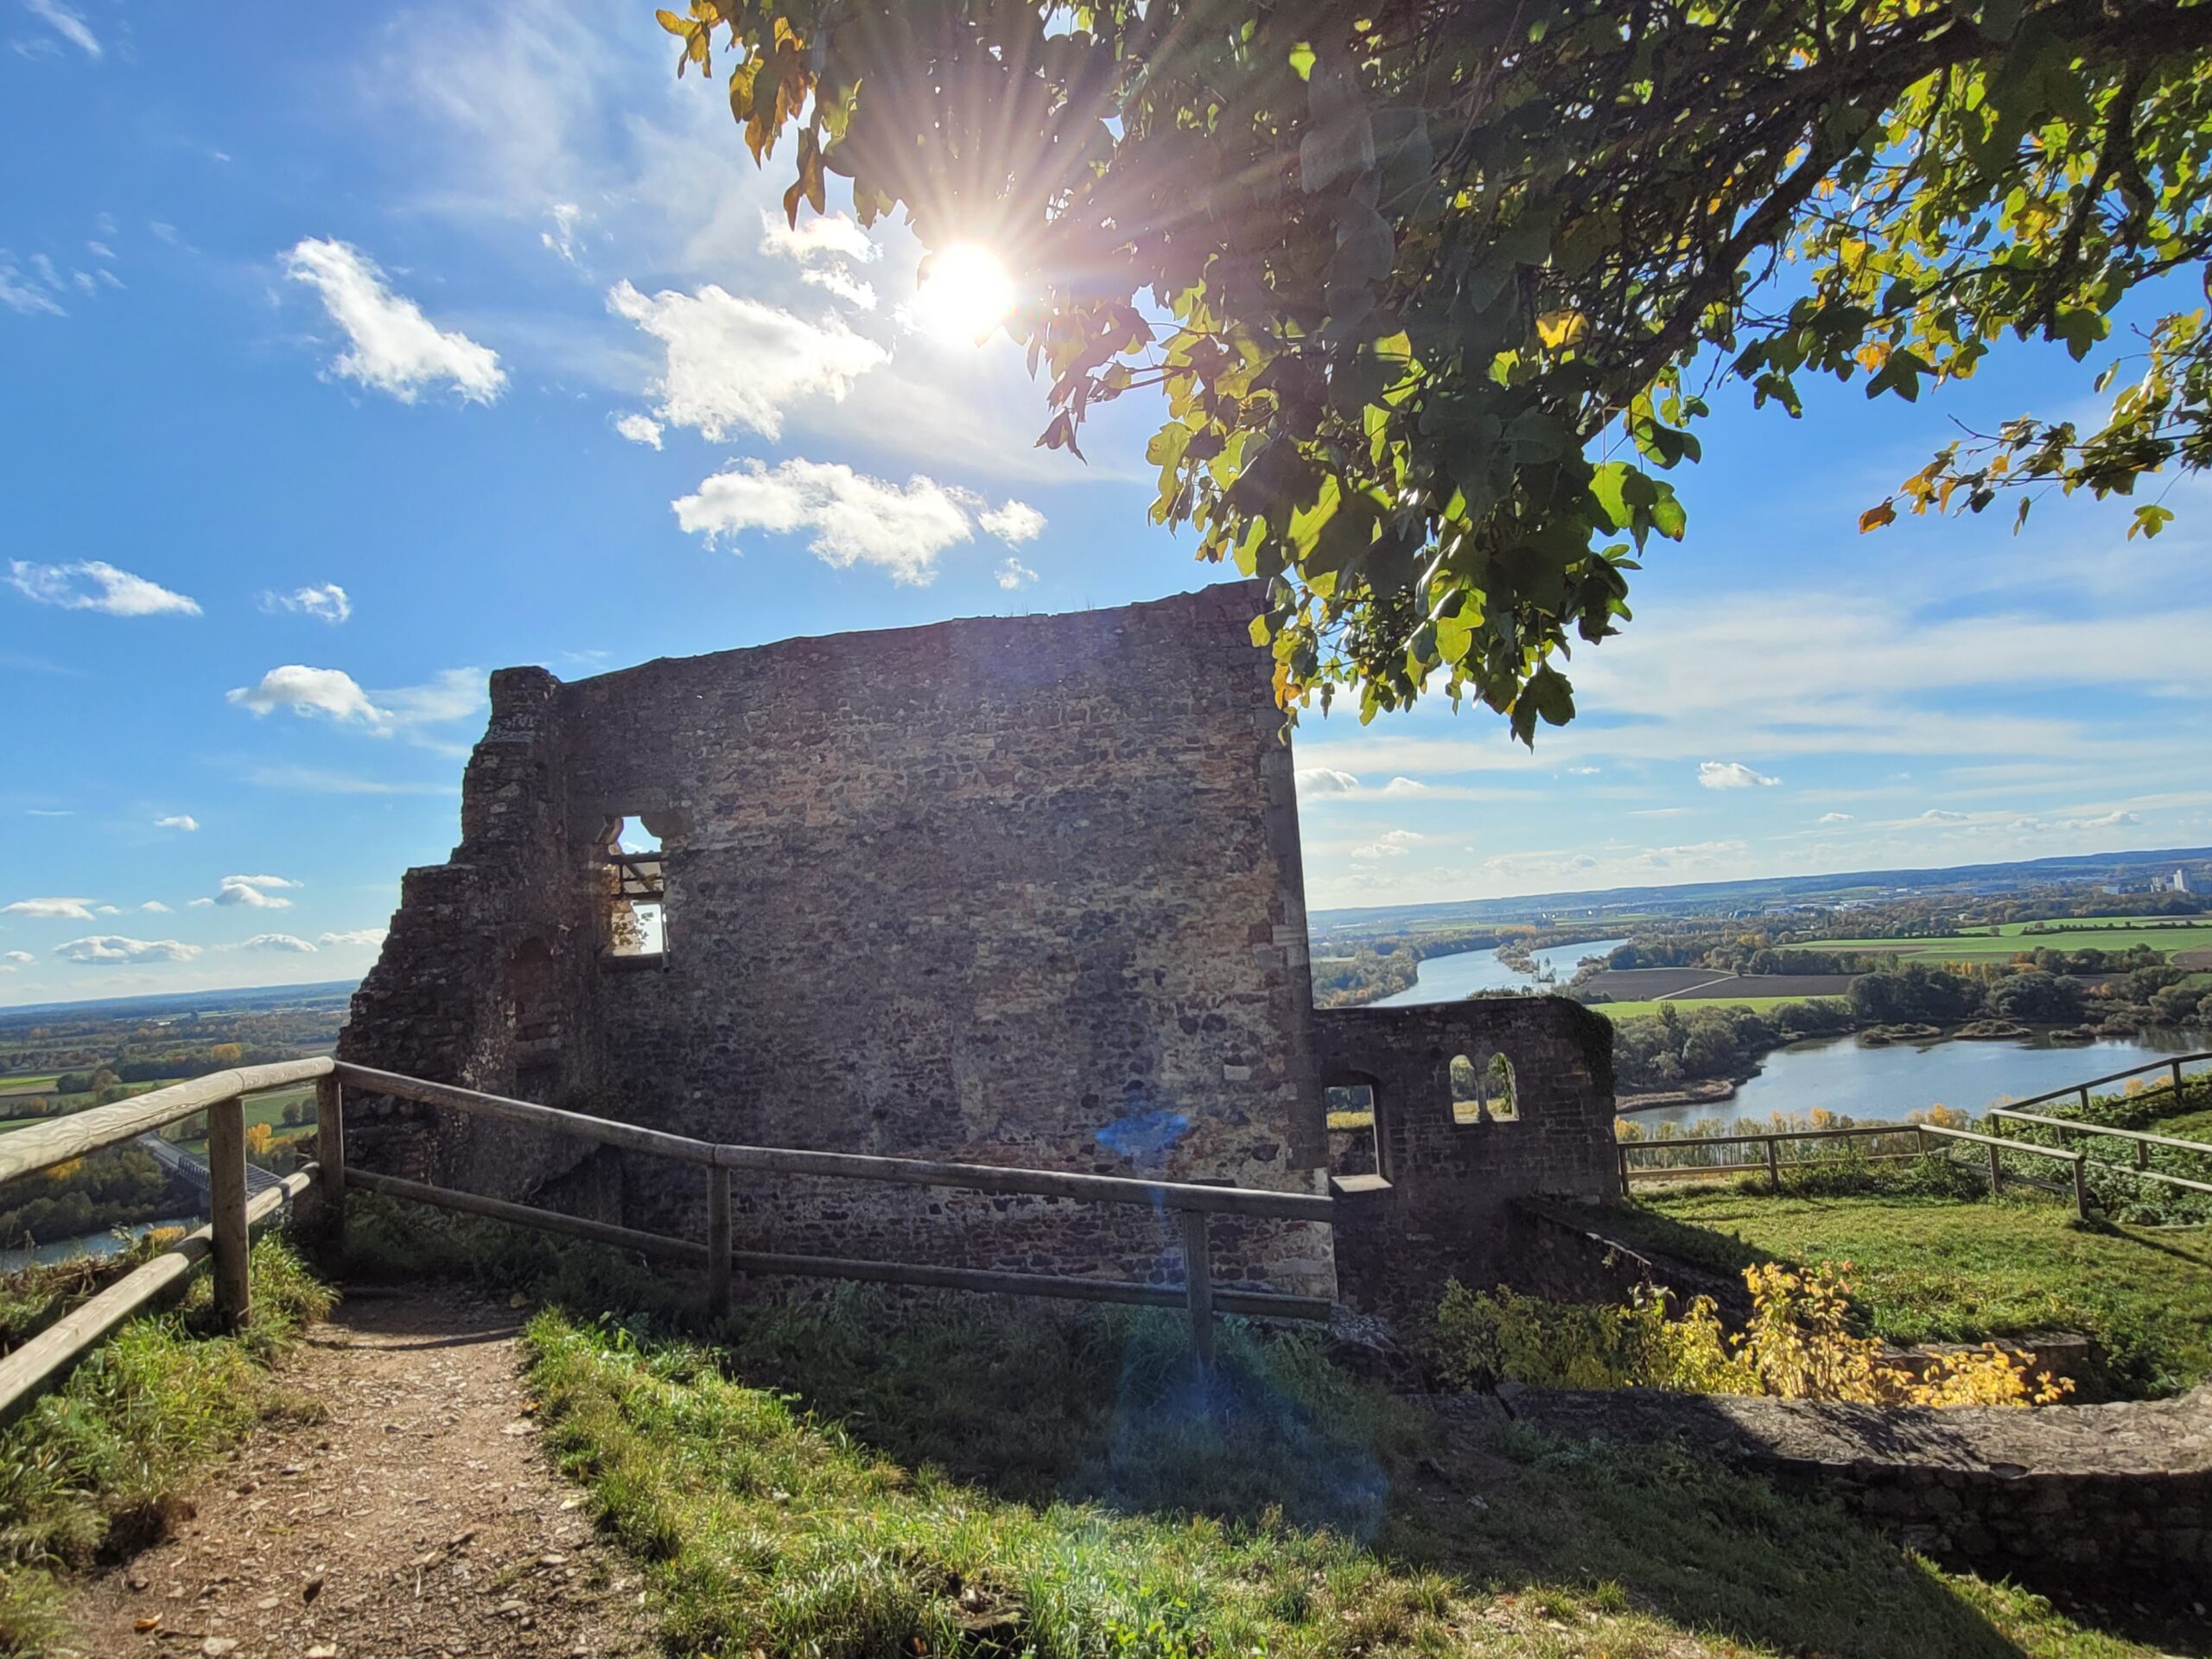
(1722, 896)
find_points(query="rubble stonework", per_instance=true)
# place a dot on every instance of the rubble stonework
(1022, 891)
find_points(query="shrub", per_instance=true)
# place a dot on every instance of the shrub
(1798, 1346)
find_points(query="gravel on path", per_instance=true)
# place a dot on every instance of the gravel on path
(418, 1517)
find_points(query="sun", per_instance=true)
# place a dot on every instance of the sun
(966, 292)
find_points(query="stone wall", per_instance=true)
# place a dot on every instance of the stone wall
(1024, 891)
(2083, 1493)
(1440, 1204)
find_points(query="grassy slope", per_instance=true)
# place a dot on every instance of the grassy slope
(970, 1475)
(101, 1466)
(1942, 1269)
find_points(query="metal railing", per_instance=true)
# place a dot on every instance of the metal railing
(43, 1358)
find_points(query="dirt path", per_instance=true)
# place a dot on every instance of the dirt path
(419, 1518)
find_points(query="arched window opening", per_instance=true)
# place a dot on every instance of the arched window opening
(1483, 1089)
(1502, 1095)
(636, 893)
(1353, 1150)
(1467, 1091)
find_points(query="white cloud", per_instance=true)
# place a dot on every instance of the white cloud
(1584, 771)
(1014, 524)
(306, 690)
(67, 23)
(2109, 821)
(1940, 815)
(567, 218)
(21, 297)
(840, 284)
(452, 694)
(825, 236)
(1391, 843)
(855, 519)
(253, 891)
(396, 348)
(22, 958)
(108, 950)
(640, 428)
(1732, 774)
(1014, 574)
(324, 601)
(1404, 786)
(734, 362)
(275, 942)
(354, 938)
(96, 585)
(183, 821)
(1835, 817)
(75, 910)
(155, 907)
(1325, 780)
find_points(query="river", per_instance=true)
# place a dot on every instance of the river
(106, 1244)
(1459, 976)
(1877, 1085)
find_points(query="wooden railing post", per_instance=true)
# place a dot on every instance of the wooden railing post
(2082, 1185)
(1197, 1287)
(1996, 1172)
(1773, 1165)
(2176, 1065)
(330, 1159)
(2085, 1096)
(1620, 1149)
(226, 1208)
(719, 1241)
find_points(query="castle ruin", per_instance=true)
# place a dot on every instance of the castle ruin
(1023, 891)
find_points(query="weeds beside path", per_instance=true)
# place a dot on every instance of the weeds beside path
(413, 1515)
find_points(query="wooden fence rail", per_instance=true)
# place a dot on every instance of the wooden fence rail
(42, 1360)
(1773, 1164)
(2141, 1140)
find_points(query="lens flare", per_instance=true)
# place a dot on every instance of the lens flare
(965, 292)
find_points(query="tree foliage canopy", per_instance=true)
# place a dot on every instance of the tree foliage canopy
(1438, 291)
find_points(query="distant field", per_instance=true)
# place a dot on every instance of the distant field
(1703, 985)
(36, 1083)
(1757, 1004)
(2079, 933)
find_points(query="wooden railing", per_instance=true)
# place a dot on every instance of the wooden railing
(1773, 1161)
(43, 1360)
(2171, 1065)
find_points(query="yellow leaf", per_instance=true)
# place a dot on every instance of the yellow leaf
(1875, 518)
(672, 23)
(1559, 329)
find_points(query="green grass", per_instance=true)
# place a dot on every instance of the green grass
(1942, 1269)
(37, 1083)
(1683, 1004)
(2086, 933)
(859, 1478)
(100, 1467)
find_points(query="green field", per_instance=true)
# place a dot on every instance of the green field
(35, 1082)
(1683, 1005)
(1998, 943)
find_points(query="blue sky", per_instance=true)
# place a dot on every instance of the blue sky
(348, 352)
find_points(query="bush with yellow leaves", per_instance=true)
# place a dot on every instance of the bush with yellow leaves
(1798, 1346)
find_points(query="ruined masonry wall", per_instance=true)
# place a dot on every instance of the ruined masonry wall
(1021, 891)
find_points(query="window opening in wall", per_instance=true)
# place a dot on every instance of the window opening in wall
(1501, 1096)
(637, 915)
(1483, 1089)
(1467, 1091)
(1352, 1148)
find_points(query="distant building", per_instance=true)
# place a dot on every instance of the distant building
(2181, 880)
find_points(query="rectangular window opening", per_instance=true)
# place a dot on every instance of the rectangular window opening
(636, 892)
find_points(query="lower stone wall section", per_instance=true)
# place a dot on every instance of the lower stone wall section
(2072, 1492)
